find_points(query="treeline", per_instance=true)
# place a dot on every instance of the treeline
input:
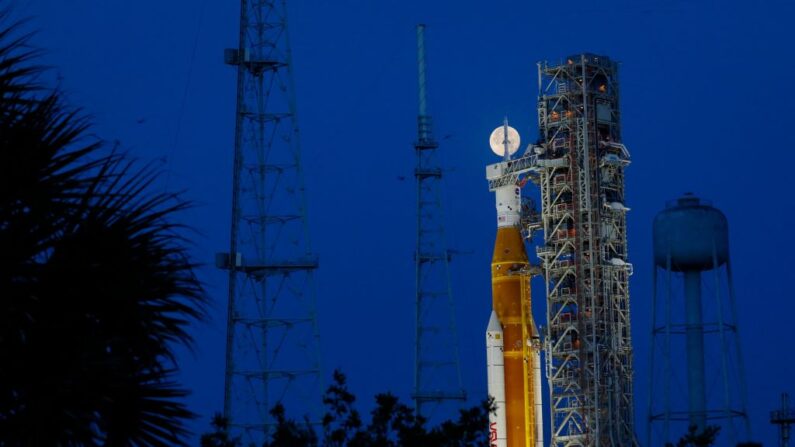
(392, 424)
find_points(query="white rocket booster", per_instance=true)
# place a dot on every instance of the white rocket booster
(495, 368)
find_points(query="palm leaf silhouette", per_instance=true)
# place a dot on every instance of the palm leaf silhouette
(96, 285)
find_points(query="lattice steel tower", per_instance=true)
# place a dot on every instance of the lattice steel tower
(584, 255)
(272, 352)
(437, 370)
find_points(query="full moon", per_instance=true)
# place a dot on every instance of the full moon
(497, 141)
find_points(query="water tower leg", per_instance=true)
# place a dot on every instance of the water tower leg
(695, 350)
(740, 362)
(650, 415)
(724, 351)
(668, 374)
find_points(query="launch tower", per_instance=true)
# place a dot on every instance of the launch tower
(578, 164)
(584, 254)
(272, 348)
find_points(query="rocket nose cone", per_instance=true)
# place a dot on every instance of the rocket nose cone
(494, 323)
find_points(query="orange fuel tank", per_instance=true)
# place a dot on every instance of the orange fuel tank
(510, 282)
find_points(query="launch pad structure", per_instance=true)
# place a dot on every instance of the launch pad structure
(578, 165)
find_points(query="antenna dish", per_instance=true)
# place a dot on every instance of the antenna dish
(497, 141)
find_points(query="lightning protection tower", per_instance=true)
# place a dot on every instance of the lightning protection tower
(272, 348)
(437, 370)
(584, 255)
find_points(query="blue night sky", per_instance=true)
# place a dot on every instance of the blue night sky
(707, 107)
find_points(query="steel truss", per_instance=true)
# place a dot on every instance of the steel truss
(437, 368)
(272, 350)
(584, 255)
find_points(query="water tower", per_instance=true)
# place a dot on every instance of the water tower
(696, 372)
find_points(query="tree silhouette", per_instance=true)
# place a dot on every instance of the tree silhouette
(341, 420)
(290, 433)
(392, 424)
(96, 284)
(219, 437)
(694, 438)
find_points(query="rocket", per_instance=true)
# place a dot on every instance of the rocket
(512, 341)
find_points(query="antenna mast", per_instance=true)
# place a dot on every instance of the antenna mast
(437, 369)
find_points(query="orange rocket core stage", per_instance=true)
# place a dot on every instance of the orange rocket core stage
(510, 284)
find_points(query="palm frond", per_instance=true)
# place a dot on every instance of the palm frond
(97, 284)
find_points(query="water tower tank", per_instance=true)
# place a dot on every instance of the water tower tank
(688, 230)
